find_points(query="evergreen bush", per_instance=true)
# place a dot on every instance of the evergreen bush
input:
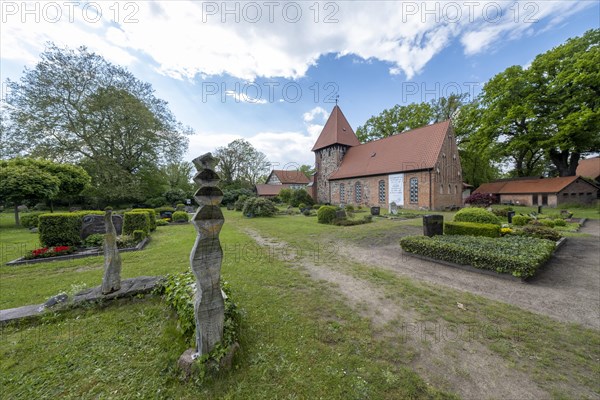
(136, 220)
(472, 229)
(62, 229)
(151, 216)
(259, 207)
(477, 215)
(326, 214)
(180, 216)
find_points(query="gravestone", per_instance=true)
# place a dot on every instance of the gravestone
(340, 214)
(393, 208)
(510, 216)
(433, 225)
(111, 282)
(207, 256)
(95, 224)
(375, 210)
(166, 214)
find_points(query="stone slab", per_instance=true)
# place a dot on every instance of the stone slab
(95, 224)
(129, 288)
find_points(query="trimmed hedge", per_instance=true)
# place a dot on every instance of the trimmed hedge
(326, 214)
(521, 220)
(136, 220)
(472, 229)
(540, 232)
(477, 215)
(151, 216)
(180, 216)
(518, 256)
(62, 229)
(31, 219)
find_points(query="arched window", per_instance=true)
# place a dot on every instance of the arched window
(342, 193)
(382, 191)
(357, 193)
(455, 189)
(414, 190)
(449, 189)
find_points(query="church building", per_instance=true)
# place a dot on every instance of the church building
(417, 169)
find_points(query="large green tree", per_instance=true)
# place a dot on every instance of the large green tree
(21, 182)
(241, 165)
(565, 100)
(76, 106)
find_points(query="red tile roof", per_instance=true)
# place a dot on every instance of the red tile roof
(287, 176)
(337, 130)
(547, 185)
(589, 168)
(269, 190)
(407, 151)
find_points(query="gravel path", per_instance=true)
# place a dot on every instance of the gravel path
(567, 288)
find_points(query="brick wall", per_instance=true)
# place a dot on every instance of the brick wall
(578, 192)
(447, 175)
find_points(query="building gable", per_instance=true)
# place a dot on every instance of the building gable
(337, 130)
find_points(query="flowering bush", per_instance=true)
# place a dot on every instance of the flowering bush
(505, 231)
(49, 252)
(481, 199)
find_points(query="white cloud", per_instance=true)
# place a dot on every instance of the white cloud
(283, 149)
(187, 38)
(309, 116)
(244, 98)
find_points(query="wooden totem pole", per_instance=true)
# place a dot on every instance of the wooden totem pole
(207, 256)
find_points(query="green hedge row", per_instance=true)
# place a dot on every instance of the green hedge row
(136, 221)
(472, 229)
(521, 220)
(151, 216)
(518, 256)
(477, 215)
(62, 229)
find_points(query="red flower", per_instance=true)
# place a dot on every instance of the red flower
(39, 252)
(58, 249)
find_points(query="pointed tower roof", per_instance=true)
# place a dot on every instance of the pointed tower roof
(337, 130)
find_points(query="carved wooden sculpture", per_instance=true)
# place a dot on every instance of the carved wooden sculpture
(207, 256)
(111, 282)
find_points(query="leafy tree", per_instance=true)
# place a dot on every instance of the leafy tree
(446, 108)
(241, 163)
(285, 195)
(20, 182)
(307, 170)
(300, 196)
(74, 105)
(565, 100)
(395, 120)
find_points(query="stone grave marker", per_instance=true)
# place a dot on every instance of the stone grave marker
(393, 208)
(95, 224)
(111, 282)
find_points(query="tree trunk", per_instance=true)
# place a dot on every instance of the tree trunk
(17, 222)
(560, 159)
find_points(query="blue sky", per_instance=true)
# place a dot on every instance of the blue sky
(269, 72)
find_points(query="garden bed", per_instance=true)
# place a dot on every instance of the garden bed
(77, 254)
(515, 258)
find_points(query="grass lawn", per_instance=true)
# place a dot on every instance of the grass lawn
(299, 339)
(578, 211)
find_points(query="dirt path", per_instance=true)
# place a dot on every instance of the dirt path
(568, 288)
(466, 368)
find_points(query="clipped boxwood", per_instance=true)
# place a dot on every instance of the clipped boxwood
(62, 229)
(136, 220)
(521, 220)
(326, 214)
(477, 215)
(139, 235)
(540, 232)
(472, 229)
(31, 219)
(151, 216)
(180, 216)
(518, 256)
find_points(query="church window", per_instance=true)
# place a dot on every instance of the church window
(382, 191)
(414, 190)
(342, 193)
(357, 193)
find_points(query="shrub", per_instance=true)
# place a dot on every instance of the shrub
(521, 220)
(547, 222)
(62, 229)
(94, 240)
(259, 207)
(306, 212)
(285, 195)
(239, 204)
(151, 216)
(502, 212)
(349, 208)
(139, 235)
(560, 222)
(316, 206)
(136, 220)
(477, 215)
(300, 196)
(180, 216)
(30, 220)
(45, 252)
(230, 196)
(158, 210)
(301, 206)
(326, 214)
(180, 207)
(519, 256)
(162, 222)
(481, 199)
(472, 229)
(540, 232)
